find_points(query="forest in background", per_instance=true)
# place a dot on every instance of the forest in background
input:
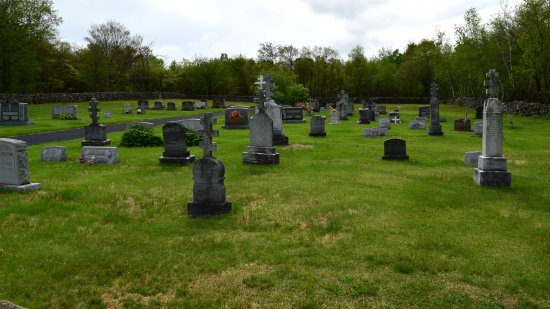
(515, 42)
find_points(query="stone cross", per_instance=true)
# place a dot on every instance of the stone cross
(268, 86)
(94, 109)
(434, 89)
(491, 84)
(207, 133)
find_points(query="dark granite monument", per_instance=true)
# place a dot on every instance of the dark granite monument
(435, 128)
(317, 126)
(175, 145)
(395, 149)
(14, 114)
(95, 134)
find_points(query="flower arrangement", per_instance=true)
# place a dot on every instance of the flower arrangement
(235, 117)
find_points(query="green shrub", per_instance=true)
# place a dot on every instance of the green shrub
(139, 136)
(66, 116)
(192, 138)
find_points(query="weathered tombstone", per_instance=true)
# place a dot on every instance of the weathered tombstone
(237, 117)
(334, 116)
(14, 166)
(395, 117)
(462, 125)
(435, 128)
(261, 150)
(471, 158)
(395, 149)
(14, 114)
(424, 111)
(107, 115)
(95, 134)
(175, 144)
(201, 104)
(64, 109)
(292, 115)
(317, 126)
(342, 105)
(384, 123)
(478, 129)
(99, 155)
(54, 154)
(158, 105)
(492, 167)
(417, 125)
(381, 109)
(364, 116)
(375, 132)
(187, 106)
(127, 109)
(218, 103)
(143, 104)
(273, 110)
(171, 106)
(209, 196)
(479, 112)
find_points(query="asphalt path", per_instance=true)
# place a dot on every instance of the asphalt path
(65, 135)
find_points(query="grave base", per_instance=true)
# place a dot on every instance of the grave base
(177, 160)
(208, 209)
(235, 127)
(21, 188)
(492, 178)
(435, 132)
(280, 140)
(95, 143)
(270, 157)
(323, 134)
(395, 157)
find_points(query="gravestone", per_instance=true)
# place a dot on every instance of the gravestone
(381, 109)
(95, 134)
(14, 166)
(54, 154)
(462, 125)
(14, 114)
(63, 109)
(218, 103)
(107, 115)
(375, 132)
(478, 129)
(471, 158)
(209, 195)
(369, 105)
(395, 117)
(143, 104)
(334, 117)
(171, 106)
(99, 154)
(342, 105)
(292, 115)
(435, 128)
(175, 144)
(479, 112)
(417, 125)
(317, 126)
(384, 123)
(314, 105)
(201, 104)
(272, 109)
(187, 106)
(260, 149)
(492, 166)
(395, 149)
(364, 116)
(424, 111)
(237, 117)
(158, 105)
(127, 109)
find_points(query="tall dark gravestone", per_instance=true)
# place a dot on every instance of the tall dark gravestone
(95, 134)
(209, 197)
(435, 127)
(175, 144)
(14, 114)
(395, 149)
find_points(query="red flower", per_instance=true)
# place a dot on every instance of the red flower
(235, 117)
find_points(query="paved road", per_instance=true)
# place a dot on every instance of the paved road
(65, 135)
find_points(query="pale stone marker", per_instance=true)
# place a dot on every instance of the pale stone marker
(54, 154)
(99, 155)
(14, 166)
(471, 158)
(384, 123)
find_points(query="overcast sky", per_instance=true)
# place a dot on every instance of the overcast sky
(181, 29)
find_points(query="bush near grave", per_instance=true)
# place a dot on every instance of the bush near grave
(139, 136)
(192, 138)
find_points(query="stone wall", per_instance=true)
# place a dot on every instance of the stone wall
(515, 107)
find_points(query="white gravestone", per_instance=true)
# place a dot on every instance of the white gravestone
(99, 155)
(54, 154)
(14, 166)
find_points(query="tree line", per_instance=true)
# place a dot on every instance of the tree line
(515, 42)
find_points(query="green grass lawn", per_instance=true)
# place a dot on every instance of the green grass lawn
(41, 116)
(332, 225)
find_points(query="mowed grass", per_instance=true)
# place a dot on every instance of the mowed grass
(332, 225)
(40, 115)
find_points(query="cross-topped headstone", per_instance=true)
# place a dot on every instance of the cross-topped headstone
(434, 89)
(94, 109)
(207, 133)
(268, 86)
(491, 84)
(261, 99)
